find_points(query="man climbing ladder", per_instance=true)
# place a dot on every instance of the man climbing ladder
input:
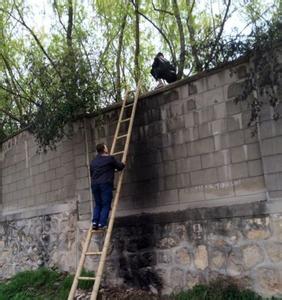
(103, 254)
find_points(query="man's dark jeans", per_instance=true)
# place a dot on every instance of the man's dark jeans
(103, 195)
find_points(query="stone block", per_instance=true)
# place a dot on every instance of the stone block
(204, 176)
(201, 257)
(170, 182)
(269, 280)
(217, 260)
(252, 256)
(255, 167)
(216, 159)
(249, 186)
(183, 180)
(274, 251)
(182, 256)
(272, 146)
(206, 114)
(191, 194)
(178, 137)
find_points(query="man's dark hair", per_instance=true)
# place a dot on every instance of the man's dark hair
(160, 54)
(100, 148)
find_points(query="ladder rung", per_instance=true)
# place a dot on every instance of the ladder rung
(116, 153)
(125, 120)
(93, 253)
(86, 278)
(122, 136)
(128, 105)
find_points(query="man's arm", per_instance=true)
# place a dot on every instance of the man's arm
(118, 165)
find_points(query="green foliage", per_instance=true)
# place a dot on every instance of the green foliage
(218, 291)
(86, 59)
(42, 284)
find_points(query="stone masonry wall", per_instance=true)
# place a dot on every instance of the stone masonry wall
(201, 197)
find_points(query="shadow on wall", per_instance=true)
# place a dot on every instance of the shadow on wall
(136, 258)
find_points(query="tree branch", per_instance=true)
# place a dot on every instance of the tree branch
(161, 10)
(160, 31)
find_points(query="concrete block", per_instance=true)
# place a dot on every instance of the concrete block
(188, 164)
(271, 146)
(200, 146)
(170, 182)
(178, 137)
(253, 151)
(235, 89)
(192, 88)
(56, 184)
(270, 128)
(81, 172)
(183, 180)
(219, 190)
(175, 110)
(232, 108)
(168, 154)
(205, 130)
(54, 163)
(206, 114)
(175, 123)
(216, 159)
(191, 194)
(204, 176)
(239, 154)
(189, 105)
(249, 135)
(220, 111)
(235, 122)
(191, 134)
(180, 151)
(50, 175)
(167, 197)
(273, 181)
(224, 173)
(183, 92)
(219, 126)
(272, 164)
(255, 167)
(80, 160)
(239, 170)
(169, 168)
(190, 119)
(249, 186)
(227, 140)
(39, 179)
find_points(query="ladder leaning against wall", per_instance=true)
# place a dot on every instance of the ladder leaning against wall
(103, 254)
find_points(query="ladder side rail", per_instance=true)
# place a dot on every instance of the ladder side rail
(119, 122)
(103, 257)
(130, 127)
(80, 265)
(114, 208)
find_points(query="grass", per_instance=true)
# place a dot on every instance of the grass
(218, 291)
(42, 284)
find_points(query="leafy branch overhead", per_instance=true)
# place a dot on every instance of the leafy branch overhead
(82, 56)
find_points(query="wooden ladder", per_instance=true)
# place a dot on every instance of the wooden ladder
(103, 254)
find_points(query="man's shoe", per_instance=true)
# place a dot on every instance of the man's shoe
(94, 226)
(102, 227)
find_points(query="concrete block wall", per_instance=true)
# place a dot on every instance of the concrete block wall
(191, 147)
(31, 179)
